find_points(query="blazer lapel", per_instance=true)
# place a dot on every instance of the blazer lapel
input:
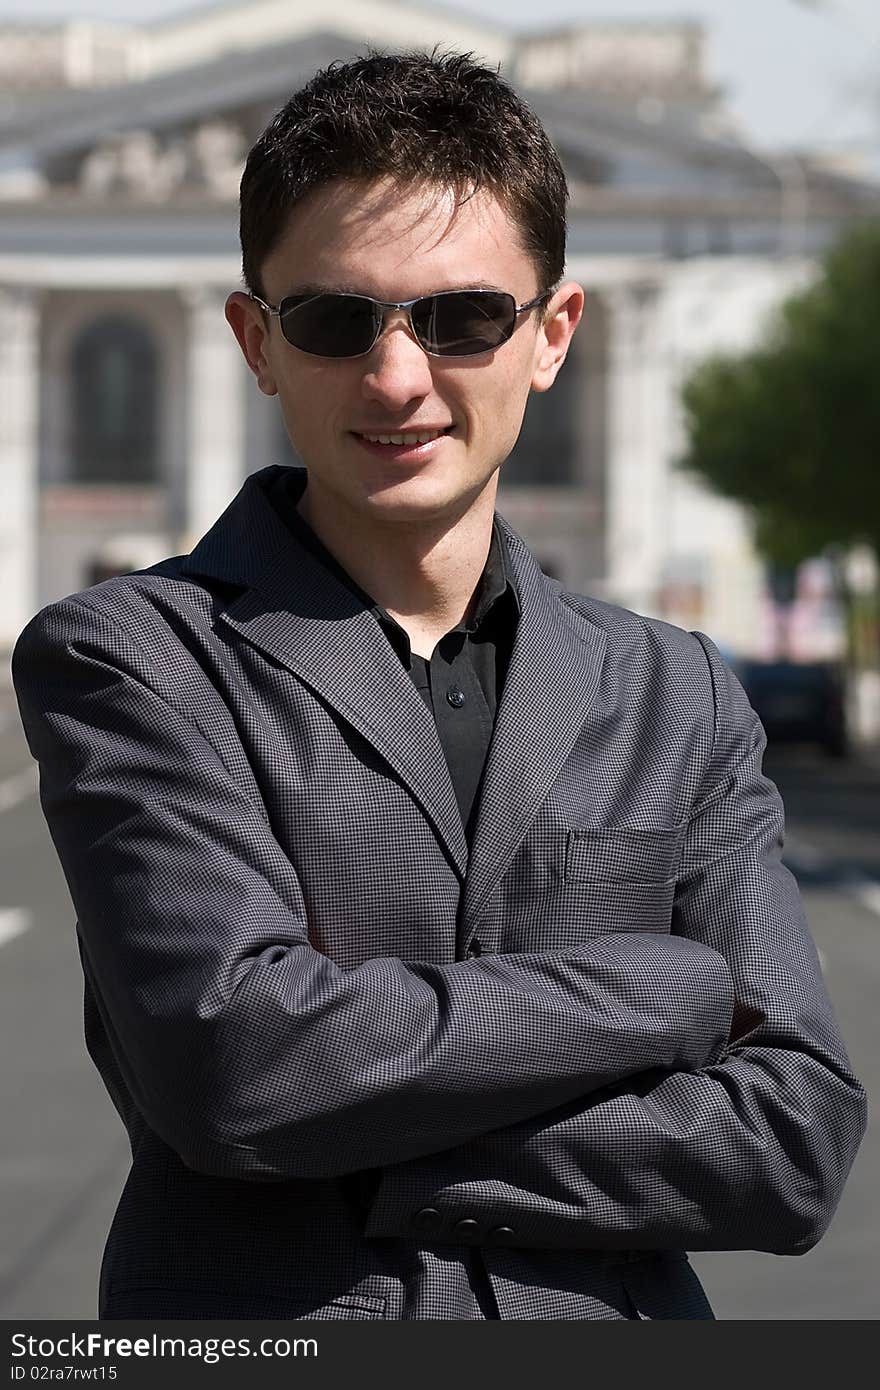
(549, 690)
(297, 614)
(301, 617)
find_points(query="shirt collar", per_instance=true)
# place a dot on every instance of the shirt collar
(495, 582)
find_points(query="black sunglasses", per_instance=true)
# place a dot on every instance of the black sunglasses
(454, 323)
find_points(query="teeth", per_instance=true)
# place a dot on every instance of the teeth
(423, 437)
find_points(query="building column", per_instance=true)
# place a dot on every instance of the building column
(635, 483)
(19, 459)
(215, 464)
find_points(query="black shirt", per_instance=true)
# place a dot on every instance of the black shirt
(462, 682)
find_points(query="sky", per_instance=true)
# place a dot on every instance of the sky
(797, 73)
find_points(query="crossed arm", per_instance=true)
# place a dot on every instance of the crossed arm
(255, 1057)
(749, 1151)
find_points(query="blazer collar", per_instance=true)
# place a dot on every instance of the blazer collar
(300, 615)
(320, 629)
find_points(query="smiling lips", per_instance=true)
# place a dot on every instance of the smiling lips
(407, 439)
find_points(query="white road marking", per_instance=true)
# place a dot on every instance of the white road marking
(13, 922)
(18, 787)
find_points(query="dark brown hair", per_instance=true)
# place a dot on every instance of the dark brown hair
(419, 118)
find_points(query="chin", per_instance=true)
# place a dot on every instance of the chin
(417, 501)
(416, 493)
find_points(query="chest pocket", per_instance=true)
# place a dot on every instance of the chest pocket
(581, 883)
(618, 879)
(619, 855)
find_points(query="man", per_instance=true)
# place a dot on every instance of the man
(438, 954)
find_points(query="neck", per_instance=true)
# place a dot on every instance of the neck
(423, 573)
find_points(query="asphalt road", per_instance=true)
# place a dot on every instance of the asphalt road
(64, 1153)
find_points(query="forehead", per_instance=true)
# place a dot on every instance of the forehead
(380, 238)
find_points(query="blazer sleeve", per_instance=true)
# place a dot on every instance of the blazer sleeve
(249, 1052)
(751, 1150)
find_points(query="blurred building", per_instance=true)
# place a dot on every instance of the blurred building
(128, 418)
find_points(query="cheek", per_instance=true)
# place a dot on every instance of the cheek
(308, 403)
(495, 397)
(505, 406)
(510, 416)
(303, 426)
(497, 420)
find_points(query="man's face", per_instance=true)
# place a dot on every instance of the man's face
(393, 245)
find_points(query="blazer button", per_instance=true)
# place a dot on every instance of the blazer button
(501, 1233)
(477, 948)
(428, 1219)
(466, 1229)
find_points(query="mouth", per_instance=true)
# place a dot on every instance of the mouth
(404, 444)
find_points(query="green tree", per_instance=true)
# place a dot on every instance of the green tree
(792, 429)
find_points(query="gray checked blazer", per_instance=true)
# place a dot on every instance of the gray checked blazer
(595, 1042)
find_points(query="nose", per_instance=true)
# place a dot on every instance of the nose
(397, 369)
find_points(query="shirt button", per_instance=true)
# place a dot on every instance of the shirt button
(501, 1233)
(455, 696)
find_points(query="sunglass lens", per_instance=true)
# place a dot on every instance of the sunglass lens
(330, 325)
(464, 322)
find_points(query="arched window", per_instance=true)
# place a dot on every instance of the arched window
(115, 402)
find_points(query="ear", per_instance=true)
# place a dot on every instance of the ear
(562, 316)
(251, 326)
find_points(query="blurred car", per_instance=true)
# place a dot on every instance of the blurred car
(798, 702)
